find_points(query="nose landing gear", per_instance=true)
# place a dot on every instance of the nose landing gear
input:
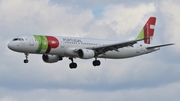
(26, 60)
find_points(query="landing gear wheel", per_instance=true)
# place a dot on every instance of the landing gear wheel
(26, 61)
(73, 65)
(96, 63)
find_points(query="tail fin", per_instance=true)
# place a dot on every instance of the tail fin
(148, 30)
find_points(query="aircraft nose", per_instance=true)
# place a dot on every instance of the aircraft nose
(10, 45)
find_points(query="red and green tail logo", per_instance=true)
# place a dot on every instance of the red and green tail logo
(148, 30)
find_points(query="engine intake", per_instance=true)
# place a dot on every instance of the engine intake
(51, 58)
(86, 53)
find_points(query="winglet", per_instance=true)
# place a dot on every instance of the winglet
(148, 30)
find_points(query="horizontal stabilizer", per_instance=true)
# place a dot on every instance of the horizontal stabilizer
(151, 47)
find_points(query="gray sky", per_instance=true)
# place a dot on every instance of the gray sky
(150, 77)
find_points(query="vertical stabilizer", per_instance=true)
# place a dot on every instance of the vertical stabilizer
(148, 30)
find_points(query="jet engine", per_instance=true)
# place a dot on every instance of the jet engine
(51, 58)
(86, 53)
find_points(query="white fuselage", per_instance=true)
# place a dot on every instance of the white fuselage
(67, 46)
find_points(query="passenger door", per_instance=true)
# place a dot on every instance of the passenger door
(31, 41)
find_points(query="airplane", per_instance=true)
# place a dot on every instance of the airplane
(55, 48)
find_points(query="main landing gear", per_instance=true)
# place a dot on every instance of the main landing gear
(96, 62)
(26, 60)
(72, 65)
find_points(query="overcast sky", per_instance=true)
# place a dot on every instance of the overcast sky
(151, 77)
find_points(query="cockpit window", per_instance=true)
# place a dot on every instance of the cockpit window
(18, 39)
(15, 39)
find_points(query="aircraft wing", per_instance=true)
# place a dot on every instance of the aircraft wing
(102, 49)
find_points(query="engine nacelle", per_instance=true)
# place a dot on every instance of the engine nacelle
(51, 58)
(86, 53)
